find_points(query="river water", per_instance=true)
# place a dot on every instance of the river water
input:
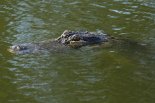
(119, 74)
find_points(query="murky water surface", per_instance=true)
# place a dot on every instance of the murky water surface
(119, 74)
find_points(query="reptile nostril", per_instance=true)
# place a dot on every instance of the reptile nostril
(16, 47)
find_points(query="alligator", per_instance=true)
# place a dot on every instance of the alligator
(68, 39)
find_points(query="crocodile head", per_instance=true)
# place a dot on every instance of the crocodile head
(80, 38)
(74, 39)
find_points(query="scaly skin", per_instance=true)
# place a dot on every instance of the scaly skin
(73, 39)
(77, 39)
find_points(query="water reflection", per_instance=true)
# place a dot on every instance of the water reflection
(60, 79)
(123, 73)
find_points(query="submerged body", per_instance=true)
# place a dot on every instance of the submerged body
(72, 39)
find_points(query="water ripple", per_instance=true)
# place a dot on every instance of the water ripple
(121, 12)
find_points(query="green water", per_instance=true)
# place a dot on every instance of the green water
(119, 74)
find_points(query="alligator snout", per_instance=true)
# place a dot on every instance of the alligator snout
(16, 48)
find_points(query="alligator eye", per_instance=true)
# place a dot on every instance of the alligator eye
(65, 34)
(75, 38)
